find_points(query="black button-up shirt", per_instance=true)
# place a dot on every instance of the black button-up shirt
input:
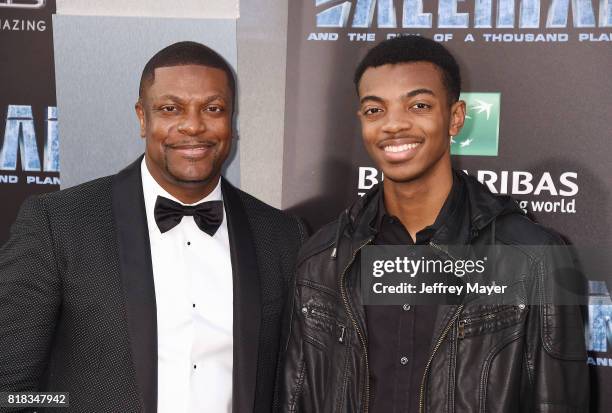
(399, 337)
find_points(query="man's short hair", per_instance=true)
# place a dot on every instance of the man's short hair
(407, 49)
(182, 54)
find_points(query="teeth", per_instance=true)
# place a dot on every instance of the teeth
(401, 148)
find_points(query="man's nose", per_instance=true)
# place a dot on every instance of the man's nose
(192, 123)
(396, 121)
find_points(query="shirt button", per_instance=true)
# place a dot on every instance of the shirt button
(404, 361)
(188, 242)
(193, 305)
(194, 366)
(406, 307)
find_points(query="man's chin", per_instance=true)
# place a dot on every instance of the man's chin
(401, 179)
(401, 174)
(192, 179)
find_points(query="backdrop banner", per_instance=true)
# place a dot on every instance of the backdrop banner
(29, 154)
(537, 86)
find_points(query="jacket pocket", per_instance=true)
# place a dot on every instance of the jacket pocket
(322, 352)
(485, 319)
(321, 327)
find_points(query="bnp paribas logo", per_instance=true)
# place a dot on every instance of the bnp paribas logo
(480, 133)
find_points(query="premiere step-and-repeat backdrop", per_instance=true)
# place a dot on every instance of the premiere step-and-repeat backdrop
(29, 155)
(536, 82)
(539, 100)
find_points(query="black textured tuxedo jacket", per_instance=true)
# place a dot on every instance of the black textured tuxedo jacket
(77, 300)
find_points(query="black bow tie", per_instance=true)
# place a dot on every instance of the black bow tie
(207, 215)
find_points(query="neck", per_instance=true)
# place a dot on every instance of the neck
(417, 203)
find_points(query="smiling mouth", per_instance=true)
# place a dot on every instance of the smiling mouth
(400, 151)
(401, 148)
(196, 150)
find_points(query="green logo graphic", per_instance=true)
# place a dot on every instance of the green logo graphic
(480, 133)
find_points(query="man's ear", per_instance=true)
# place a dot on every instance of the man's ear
(141, 117)
(457, 118)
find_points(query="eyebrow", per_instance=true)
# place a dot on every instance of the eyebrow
(371, 97)
(421, 91)
(178, 99)
(170, 97)
(410, 94)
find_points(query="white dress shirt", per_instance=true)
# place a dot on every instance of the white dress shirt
(192, 272)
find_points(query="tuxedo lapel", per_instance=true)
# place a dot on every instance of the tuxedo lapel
(247, 300)
(137, 279)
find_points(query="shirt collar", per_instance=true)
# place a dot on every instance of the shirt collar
(453, 199)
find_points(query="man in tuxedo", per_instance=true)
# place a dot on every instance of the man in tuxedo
(160, 288)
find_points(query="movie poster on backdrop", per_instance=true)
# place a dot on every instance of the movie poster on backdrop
(536, 84)
(29, 151)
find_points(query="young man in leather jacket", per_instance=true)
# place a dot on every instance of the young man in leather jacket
(343, 356)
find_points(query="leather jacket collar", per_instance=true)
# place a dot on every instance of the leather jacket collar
(480, 208)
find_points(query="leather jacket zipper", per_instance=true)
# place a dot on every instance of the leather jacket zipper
(438, 343)
(461, 329)
(320, 314)
(342, 331)
(309, 312)
(359, 333)
(482, 318)
(433, 353)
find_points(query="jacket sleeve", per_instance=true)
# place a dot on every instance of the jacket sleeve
(29, 299)
(557, 372)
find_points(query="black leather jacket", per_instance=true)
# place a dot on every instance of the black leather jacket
(483, 358)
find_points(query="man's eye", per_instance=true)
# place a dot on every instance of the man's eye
(214, 109)
(168, 108)
(421, 106)
(372, 111)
